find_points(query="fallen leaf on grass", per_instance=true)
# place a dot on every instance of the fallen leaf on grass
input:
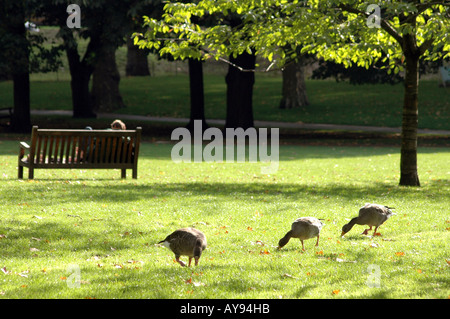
(194, 283)
(6, 272)
(400, 253)
(264, 252)
(289, 276)
(319, 252)
(34, 249)
(335, 292)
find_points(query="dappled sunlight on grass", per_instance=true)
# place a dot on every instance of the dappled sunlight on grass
(110, 227)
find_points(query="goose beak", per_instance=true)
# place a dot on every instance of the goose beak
(342, 234)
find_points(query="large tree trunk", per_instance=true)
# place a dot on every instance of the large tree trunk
(80, 72)
(408, 159)
(240, 91)
(18, 60)
(21, 121)
(137, 63)
(81, 100)
(294, 87)
(196, 93)
(105, 82)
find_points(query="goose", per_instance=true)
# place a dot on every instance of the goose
(302, 228)
(370, 215)
(186, 242)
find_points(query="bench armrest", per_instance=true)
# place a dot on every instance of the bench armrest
(23, 146)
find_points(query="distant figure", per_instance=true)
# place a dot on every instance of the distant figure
(118, 125)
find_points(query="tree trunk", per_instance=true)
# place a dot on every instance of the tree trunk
(408, 159)
(18, 60)
(81, 100)
(105, 82)
(80, 72)
(137, 63)
(21, 121)
(294, 87)
(240, 91)
(196, 93)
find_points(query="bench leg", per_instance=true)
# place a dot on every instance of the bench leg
(30, 173)
(20, 172)
(134, 173)
(124, 173)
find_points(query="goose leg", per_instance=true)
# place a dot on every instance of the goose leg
(177, 258)
(196, 260)
(375, 232)
(190, 259)
(303, 246)
(365, 232)
(317, 242)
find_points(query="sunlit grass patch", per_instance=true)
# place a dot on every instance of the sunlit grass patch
(108, 228)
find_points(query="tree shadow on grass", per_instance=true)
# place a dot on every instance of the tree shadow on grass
(116, 193)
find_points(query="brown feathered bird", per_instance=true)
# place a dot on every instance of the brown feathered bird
(370, 215)
(186, 242)
(302, 228)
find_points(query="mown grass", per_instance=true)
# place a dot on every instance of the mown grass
(330, 102)
(109, 227)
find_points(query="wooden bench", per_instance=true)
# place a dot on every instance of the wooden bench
(80, 149)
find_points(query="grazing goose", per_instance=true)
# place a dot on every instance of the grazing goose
(302, 228)
(186, 242)
(370, 215)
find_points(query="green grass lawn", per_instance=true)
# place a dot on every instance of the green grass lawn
(330, 102)
(92, 223)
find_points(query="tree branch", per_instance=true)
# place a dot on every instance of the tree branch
(425, 45)
(384, 24)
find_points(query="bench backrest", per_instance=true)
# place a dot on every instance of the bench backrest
(51, 147)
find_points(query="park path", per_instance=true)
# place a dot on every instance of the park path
(268, 124)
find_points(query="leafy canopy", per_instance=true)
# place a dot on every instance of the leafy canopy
(333, 30)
